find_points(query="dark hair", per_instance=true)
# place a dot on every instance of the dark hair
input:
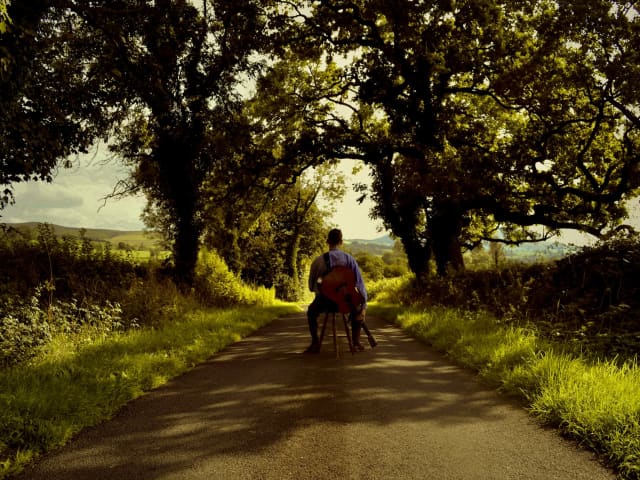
(334, 237)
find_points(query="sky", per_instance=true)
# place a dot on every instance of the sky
(351, 217)
(75, 198)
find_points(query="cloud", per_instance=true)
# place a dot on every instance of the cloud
(75, 198)
(38, 196)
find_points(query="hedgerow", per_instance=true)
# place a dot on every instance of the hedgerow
(589, 300)
(51, 285)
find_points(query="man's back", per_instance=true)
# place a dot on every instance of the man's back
(337, 258)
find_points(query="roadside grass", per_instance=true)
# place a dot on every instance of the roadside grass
(82, 380)
(597, 403)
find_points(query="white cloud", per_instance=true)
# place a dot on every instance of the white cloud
(39, 196)
(75, 198)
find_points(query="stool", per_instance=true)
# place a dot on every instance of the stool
(347, 331)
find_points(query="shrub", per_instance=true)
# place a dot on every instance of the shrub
(149, 301)
(73, 288)
(287, 288)
(392, 290)
(589, 299)
(23, 330)
(25, 327)
(215, 285)
(71, 268)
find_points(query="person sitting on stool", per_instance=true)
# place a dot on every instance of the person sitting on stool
(322, 304)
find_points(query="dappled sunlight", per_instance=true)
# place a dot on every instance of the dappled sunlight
(261, 401)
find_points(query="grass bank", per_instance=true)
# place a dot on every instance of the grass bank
(82, 380)
(596, 403)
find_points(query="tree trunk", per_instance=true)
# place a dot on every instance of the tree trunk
(289, 292)
(445, 227)
(418, 255)
(185, 249)
(180, 190)
(292, 256)
(402, 210)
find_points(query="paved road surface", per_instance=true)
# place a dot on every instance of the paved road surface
(262, 410)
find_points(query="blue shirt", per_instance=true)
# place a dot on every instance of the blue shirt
(337, 258)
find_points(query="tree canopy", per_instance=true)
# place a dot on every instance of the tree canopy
(483, 120)
(48, 107)
(495, 120)
(4, 16)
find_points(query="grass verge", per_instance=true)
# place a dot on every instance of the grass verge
(595, 402)
(74, 384)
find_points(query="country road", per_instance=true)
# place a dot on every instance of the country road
(262, 410)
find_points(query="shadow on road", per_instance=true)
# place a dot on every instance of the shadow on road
(262, 391)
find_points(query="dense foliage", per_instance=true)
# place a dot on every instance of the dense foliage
(270, 236)
(158, 80)
(49, 111)
(587, 299)
(483, 119)
(67, 285)
(479, 119)
(377, 261)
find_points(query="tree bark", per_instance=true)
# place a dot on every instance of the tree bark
(290, 292)
(185, 248)
(418, 255)
(445, 227)
(181, 187)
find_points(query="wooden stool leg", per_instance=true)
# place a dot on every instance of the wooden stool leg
(335, 336)
(324, 326)
(347, 331)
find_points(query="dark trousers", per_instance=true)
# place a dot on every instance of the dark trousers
(322, 304)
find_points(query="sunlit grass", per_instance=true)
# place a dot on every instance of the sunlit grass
(597, 403)
(75, 384)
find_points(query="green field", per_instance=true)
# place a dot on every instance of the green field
(134, 239)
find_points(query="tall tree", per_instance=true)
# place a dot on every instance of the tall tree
(269, 234)
(480, 117)
(299, 216)
(160, 79)
(286, 237)
(183, 68)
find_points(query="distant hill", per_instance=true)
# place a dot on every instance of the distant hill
(536, 251)
(385, 240)
(139, 239)
(133, 238)
(376, 246)
(136, 237)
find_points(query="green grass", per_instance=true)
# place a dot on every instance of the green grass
(78, 383)
(596, 403)
(136, 239)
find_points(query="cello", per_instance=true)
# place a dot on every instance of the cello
(339, 286)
